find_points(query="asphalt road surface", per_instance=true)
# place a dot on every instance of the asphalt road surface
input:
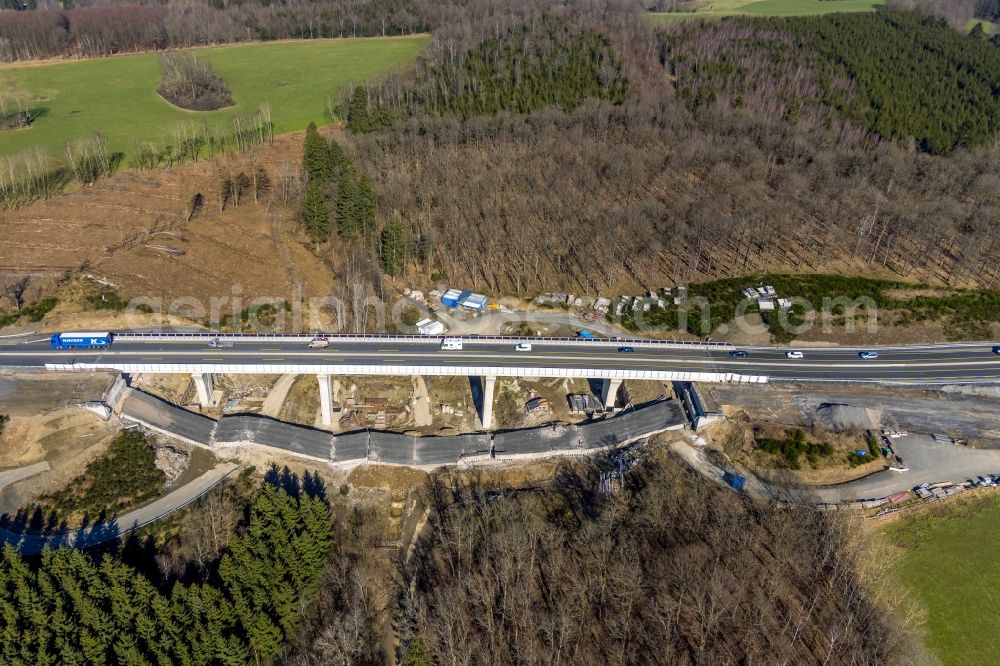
(929, 364)
(32, 544)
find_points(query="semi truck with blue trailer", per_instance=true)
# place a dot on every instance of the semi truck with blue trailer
(83, 340)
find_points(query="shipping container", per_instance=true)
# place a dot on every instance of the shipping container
(450, 298)
(473, 301)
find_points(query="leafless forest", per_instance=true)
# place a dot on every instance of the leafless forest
(107, 27)
(668, 570)
(647, 192)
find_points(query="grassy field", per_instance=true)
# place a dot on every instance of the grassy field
(117, 96)
(948, 560)
(988, 27)
(771, 8)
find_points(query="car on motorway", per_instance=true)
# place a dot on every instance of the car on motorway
(451, 344)
(794, 354)
(996, 350)
(626, 350)
(319, 342)
(868, 355)
(220, 343)
(523, 346)
(739, 353)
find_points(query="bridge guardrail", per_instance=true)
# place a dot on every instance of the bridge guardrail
(429, 339)
(216, 367)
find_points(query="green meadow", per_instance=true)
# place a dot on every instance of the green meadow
(771, 8)
(117, 97)
(946, 557)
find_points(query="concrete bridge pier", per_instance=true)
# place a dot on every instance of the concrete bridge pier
(325, 399)
(203, 385)
(609, 392)
(488, 384)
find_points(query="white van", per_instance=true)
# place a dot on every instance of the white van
(451, 344)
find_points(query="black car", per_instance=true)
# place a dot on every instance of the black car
(626, 350)
(739, 353)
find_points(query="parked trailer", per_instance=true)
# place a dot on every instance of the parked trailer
(83, 340)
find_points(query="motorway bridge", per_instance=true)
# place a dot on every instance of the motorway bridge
(490, 357)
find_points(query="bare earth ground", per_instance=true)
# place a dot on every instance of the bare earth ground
(969, 417)
(67, 439)
(302, 404)
(133, 231)
(738, 441)
(30, 393)
(43, 428)
(396, 481)
(177, 389)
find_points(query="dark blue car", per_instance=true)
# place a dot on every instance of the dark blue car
(626, 350)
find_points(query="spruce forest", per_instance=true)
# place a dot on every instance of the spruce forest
(70, 608)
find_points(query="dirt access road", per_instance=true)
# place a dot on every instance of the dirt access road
(927, 461)
(966, 414)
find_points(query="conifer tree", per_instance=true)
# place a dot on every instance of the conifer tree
(416, 655)
(316, 157)
(393, 244)
(338, 160)
(315, 214)
(347, 206)
(357, 111)
(367, 205)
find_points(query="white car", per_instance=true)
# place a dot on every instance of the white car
(794, 354)
(524, 346)
(319, 343)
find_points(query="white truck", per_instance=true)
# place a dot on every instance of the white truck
(451, 344)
